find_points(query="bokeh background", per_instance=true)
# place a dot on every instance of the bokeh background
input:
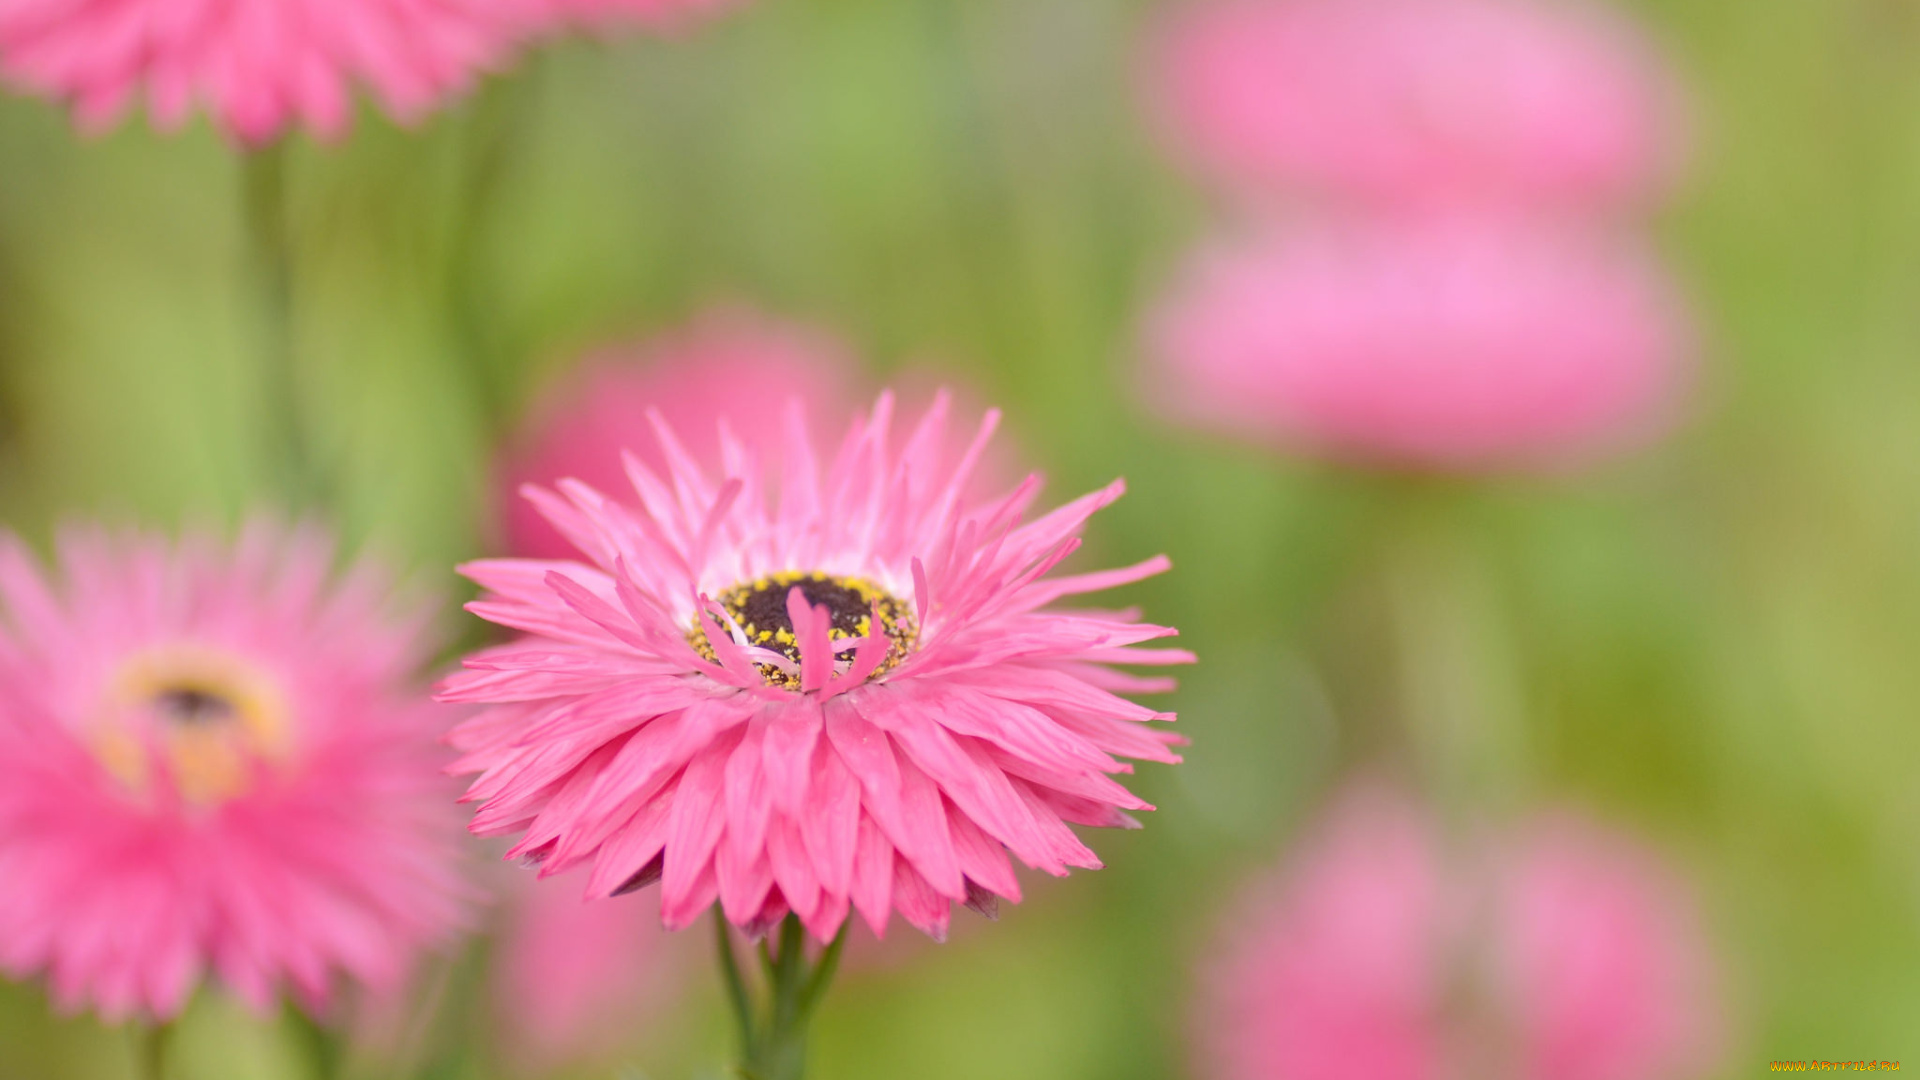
(1712, 642)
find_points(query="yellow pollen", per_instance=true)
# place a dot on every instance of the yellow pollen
(759, 609)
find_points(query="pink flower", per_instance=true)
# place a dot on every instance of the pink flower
(259, 67)
(1602, 968)
(805, 685)
(1562, 952)
(1335, 972)
(1459, 344)
(1511, 102)
(211, 760)
(574, 980)
(728, 362)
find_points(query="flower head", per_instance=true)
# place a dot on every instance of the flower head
(1601, 964)
(211, 761)
(727, 362)
(1465, 344)
(810, 687)
(1558, 952)
(259, 67)
(1416, 102)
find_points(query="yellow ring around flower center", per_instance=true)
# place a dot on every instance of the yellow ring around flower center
(202, 717)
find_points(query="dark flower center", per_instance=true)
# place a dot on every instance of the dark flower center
(759, 609)
(204, 719)
(193, 706)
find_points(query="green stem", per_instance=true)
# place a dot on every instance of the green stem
(270, 275)
(150, 1051)
(736, 986)
(320, 1045)
(1459, 680)
(499, 127)
(789, 973)
(774, 1047)
(823, 974)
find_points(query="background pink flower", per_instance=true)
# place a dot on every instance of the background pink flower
(575, 980)
(1334, 971)
(1455, 344)
(1601, 959)
(259, 67)
(728, 362)
(1508, 102)
(214, 759)
(1564, 952)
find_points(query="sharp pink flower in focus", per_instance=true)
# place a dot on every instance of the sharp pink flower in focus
(213, 761)
(809, 685)
(577, 981)
(727, 363)
(1562, 952)
(259, 67)
(1417, 102)
(1458, 344)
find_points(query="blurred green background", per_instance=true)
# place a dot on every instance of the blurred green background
(1716, 642)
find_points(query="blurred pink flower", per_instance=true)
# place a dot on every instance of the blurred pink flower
(1335, 972)
(809, 685)
(260, 67)
(212, 759)
(728, 362)
(1448, 344)
(1562, 953)
(1416, 102)
(575, 980)
(1602, 968)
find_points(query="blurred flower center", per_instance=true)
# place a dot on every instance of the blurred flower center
(202, 721)
(759, 621)
(192, 705)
